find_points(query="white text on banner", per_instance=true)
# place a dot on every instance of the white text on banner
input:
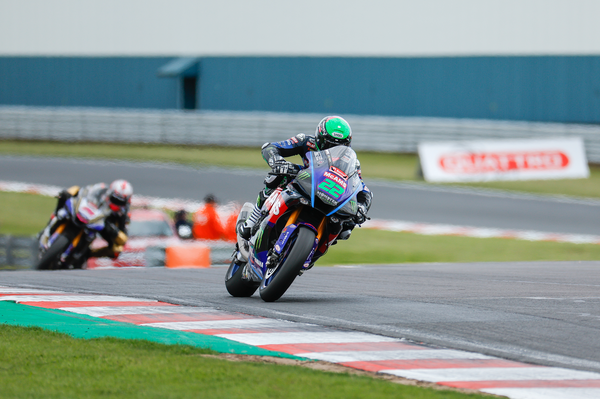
(484, 160)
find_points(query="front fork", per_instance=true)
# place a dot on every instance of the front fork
(286, 234)
(74, 242)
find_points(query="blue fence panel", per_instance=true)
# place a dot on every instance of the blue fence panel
(545, 88)
(564, 89)
(81, 81)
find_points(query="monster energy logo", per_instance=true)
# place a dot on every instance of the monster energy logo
(303, 175)
(259, 238)
(326, 199)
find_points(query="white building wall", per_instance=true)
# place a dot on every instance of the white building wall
(308, 27)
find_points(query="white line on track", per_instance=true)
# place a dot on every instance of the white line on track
(223, 324)
(102, 311)
(258, 339)
(363, 356)
(493, 374)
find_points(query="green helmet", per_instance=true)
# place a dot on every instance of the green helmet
(332, 131)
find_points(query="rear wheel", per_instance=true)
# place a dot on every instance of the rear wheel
(278, 280)
(234, 282)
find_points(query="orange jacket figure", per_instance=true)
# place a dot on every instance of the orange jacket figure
(230, 233)
(207, 224)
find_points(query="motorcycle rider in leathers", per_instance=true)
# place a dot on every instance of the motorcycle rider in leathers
(331, 131)
(113, 201)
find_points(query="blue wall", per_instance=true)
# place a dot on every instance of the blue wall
(562, 89)
(565, 89)
(89, 82)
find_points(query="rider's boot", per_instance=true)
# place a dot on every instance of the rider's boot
(245, 229)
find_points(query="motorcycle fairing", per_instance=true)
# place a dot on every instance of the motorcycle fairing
(333, 179)
(84, 212)
(256, 265)
(276, 206)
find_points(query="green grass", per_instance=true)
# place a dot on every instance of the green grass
(190, 155)
(36, 363)
(27, 214)
(24, 214)
(373, 246)
(401, 167)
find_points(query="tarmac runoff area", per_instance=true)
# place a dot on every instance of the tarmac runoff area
(175, 204)
(92, 316)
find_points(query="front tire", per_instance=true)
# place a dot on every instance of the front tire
(234, 283)
(273, 287)
(51, 256)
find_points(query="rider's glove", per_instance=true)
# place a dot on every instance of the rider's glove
(282, 167)
(361, 214)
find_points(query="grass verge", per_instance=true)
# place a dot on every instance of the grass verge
(26, 214)
(373, 246)
(401, 167)
(39, 363)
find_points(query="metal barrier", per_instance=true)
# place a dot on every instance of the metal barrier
(371, 133)
(17, 252)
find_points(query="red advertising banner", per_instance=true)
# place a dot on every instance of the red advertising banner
(504, 160)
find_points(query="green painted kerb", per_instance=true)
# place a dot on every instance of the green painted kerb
(87, 327)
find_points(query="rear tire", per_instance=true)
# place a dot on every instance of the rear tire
(53, 253)
(271, 289)
(234, 283)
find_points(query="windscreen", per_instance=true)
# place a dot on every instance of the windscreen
(332, 178)
(343, 158)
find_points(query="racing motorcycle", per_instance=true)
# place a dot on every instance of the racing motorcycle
(297, 221)
(65, 242)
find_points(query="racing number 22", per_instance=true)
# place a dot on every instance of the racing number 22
(331, 187)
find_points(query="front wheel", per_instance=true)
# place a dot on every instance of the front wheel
(50, 258)
(234, 283)
(53, 253)
(277, 281)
